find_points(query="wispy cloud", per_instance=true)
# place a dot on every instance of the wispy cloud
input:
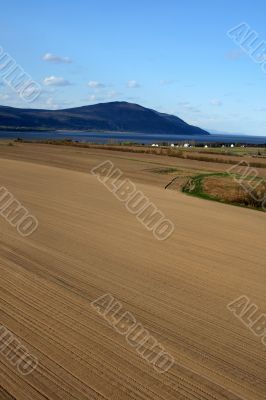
(108, 96)
(234, 55)
(51, 104)
(55, 81)
(113, 94)
(96, 85)
(132, 84)
(216, 102)
(56, 59)
(186, 106)
(95, 97)
(4, 96)
(165, 82)
(189, 85)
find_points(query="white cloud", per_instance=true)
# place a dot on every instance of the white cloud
(132, 84)
(216, 102)
(56, 59)
(96, 85)
(55, 81)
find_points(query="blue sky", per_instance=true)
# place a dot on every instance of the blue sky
(172, 55)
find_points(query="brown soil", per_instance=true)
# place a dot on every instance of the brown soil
(88, 244)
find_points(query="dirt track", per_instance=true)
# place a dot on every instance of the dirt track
(88, 244)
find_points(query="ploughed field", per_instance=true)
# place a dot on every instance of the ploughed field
(88, 244)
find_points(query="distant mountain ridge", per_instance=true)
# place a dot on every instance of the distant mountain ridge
(114, 116)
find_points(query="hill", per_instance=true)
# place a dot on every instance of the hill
(113, 116)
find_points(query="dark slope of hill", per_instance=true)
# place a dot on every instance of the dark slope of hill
(113, 116)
